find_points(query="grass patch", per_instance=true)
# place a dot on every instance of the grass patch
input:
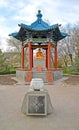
(70, 70)
(9, 71)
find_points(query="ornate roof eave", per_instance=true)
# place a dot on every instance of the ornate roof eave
(55, 39)
(56, 36)
(15, 35)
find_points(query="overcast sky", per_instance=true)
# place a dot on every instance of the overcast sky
(14, 12)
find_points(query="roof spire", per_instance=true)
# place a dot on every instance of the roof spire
(39, 15)
(39, 11)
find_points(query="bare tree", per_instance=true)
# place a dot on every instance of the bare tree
(14, 44)
(66, 47)
(75, 38)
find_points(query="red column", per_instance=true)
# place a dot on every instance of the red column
(32, 57)
(55, 57)
(22, 58)
(29, 55)
(48, 57)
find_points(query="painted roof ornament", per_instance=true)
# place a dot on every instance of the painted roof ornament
(39, 15)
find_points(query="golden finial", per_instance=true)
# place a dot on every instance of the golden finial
(39, 11)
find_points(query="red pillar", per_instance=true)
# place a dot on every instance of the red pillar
(46, 59)
(32, 57)
(29, 56)
(55, 57)
(22, 58)
(48, 55)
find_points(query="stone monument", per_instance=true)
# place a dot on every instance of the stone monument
(37, 100)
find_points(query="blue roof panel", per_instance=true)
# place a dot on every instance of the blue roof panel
(39, 26)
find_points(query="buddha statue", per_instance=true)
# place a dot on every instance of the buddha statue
(39, 54)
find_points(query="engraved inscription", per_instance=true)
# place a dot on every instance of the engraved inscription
(36, 104)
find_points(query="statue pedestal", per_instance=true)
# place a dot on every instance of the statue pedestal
(37, 103)
(39, 62)
(37, 100)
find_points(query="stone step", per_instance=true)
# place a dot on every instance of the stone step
(35, 69)
(41, 75)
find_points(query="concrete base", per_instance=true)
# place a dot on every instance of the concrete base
(23, 75)
(57, 74)
(37, 103)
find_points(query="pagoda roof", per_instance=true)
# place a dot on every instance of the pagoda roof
(39, 27)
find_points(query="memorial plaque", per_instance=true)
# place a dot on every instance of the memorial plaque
(36, 104)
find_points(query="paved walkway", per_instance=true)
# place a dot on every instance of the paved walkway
(65, 116)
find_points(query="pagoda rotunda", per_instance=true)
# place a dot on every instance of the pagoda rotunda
(39, 37)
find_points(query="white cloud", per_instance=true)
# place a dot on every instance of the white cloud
(24, 11)
(27, 12)
(3, 44)
(2, 19)
(3, 3)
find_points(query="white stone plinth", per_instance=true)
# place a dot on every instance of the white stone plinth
(37, 84)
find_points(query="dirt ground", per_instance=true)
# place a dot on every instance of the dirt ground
(65, 102)
(7, 80)
(72, 80)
